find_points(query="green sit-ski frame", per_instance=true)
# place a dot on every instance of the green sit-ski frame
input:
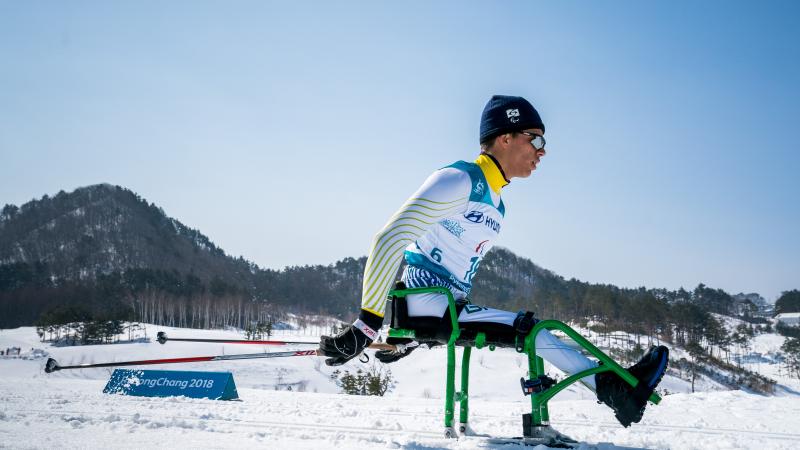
(539, 417)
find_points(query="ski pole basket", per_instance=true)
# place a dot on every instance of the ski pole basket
(535, 424)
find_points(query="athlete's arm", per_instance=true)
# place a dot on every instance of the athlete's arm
(445, 193)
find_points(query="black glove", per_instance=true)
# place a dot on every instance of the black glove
(404, 347)
(351, 341)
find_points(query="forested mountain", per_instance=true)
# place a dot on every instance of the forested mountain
(101, 229)
(102, 252)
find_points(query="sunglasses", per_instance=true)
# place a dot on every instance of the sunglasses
(537, 142)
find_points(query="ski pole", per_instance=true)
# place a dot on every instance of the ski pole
(162, 338)
(52, 365)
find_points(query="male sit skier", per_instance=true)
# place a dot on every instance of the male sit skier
(443, 231)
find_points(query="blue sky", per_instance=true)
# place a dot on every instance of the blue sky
(288, 132)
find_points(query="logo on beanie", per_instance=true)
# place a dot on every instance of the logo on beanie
(513, 115)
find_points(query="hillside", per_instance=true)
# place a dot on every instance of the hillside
(102, 229)
(103, 253)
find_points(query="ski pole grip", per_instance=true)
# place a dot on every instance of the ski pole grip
(382, 346)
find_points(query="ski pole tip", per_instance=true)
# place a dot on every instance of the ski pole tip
(51, 366)
(161, 337)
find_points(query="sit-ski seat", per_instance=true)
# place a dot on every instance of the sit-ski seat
(434, 331)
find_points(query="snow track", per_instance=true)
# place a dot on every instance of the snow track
(203, 421)
(73, 413)
(68, 409)
(229, 425)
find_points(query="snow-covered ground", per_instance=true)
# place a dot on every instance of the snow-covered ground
(67, 409)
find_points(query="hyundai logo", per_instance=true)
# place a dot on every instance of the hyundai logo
(474, 216)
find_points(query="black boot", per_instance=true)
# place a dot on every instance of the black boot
(628, 402)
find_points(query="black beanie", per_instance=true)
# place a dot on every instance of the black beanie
(504, 114)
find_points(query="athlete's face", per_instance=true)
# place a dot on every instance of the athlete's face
(520, 156)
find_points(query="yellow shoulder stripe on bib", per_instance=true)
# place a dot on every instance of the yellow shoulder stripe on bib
(492, 172)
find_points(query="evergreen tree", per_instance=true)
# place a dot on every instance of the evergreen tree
(696, 352)
(788, 302)
(791, 348)
(374, 381)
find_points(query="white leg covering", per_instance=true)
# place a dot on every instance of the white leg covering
(431, 305)
(549, 347)
(567, 359)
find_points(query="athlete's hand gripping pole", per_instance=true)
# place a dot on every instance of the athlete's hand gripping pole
(352, 340)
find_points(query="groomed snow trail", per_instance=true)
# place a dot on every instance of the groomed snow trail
(67, 409)
(73, 413)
